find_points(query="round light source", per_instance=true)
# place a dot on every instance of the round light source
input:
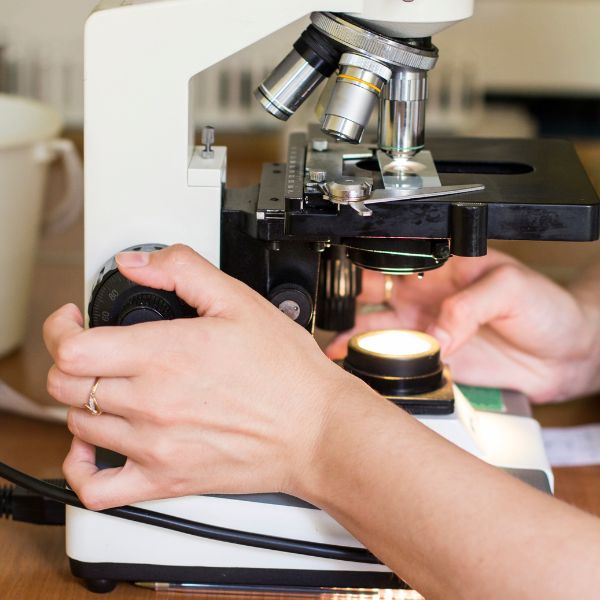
(396, 362)
(396, 343)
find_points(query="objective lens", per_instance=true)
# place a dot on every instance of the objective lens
(293, 80)
(402, 113)
(396, 362)
(358, 86)
(288, 86)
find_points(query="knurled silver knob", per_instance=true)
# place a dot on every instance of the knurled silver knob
(320, 145)
(348, 189)
(350, 59)
(317, 175)
(356, 38)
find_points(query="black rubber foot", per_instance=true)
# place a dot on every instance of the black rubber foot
(100, 586)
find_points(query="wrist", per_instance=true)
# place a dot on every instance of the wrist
(329, 387)
(349, 406)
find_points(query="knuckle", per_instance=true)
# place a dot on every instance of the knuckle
(67, 354)
(510, 274)
(181, 254)
(68, 472)
(457, 307)
(89, 497)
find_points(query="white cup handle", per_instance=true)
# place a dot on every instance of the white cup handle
(69, 208)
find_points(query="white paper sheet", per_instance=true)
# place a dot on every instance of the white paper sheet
(14, 402)
(572, 446)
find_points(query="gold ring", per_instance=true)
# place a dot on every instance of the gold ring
(388, 288)
(92, 404)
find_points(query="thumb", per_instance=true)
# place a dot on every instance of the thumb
(494, 296)
(181, 270)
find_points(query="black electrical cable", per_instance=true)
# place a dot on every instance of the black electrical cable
(19, 504)
(212, 532)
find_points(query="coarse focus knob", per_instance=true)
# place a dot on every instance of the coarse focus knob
(339, 285)
(117, 300)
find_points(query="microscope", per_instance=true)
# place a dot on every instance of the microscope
(345, 200)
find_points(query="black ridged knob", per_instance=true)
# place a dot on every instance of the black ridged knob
(339, 285)
(117, 300)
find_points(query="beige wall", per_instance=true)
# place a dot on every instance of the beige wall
(513, 44)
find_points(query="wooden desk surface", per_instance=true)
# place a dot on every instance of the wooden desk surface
(33, 564)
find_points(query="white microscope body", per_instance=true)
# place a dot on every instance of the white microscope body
(145, 182)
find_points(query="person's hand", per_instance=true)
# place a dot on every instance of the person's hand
(500, 324)
(233, 401)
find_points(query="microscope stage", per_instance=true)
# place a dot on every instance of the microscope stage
(534, 190)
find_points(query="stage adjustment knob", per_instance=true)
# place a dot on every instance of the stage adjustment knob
(117, 300)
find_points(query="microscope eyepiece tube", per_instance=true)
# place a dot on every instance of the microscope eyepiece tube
(359, 83)
(312, 59)
(402, 113)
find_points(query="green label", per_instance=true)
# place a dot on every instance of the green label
(481, 398)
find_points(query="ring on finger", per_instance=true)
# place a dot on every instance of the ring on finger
(92, 403)
(388, 288)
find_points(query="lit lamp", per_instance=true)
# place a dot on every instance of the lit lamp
(404, 366)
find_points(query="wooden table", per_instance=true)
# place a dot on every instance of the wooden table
(32, 561)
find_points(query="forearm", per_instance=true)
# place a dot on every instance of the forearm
(586, 290)
(446, 522)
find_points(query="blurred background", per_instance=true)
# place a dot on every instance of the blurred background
(518, 67)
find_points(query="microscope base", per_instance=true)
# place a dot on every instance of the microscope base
(94, 577)
(103, 549)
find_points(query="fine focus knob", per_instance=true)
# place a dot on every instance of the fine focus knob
(117, 300)
(145, 307)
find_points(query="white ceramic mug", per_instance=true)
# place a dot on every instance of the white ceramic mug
(28, 144)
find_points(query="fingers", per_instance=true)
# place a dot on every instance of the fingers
(64, 323)
(493, 297)
(110, 351)
(465, 270)
(99, 489)
(104, 431)
(180, 269)
(112, 394)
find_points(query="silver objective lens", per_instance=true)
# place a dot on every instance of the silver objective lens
(357, 88)
(288, 86)
(402, 113)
